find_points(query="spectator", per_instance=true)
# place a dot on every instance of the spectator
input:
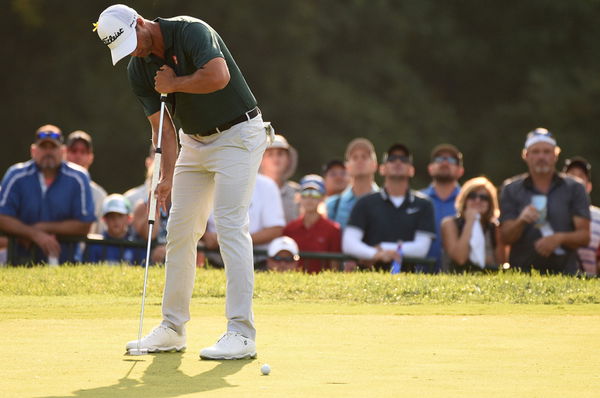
(335, 177)
(471, 238)
(159, 232)
(266, 221)
(140, 193)
(582, 169)
(45, 197)
(311, 231)
(361, 164)
(138, 197)
(544, 216)
(279, 164)
(445, 168)
(395, 222)
(81, 152)
(116, 212)
(283, 255)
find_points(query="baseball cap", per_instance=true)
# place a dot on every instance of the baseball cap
(331, 164)
(395, 148)
(447, 148)
(313, 181)
(48, 132)
(280, 142)
(79, 135)
(540, 134)
(116, 203)
(116, 29)
(360, 142)
(579, 162)
(282, 243)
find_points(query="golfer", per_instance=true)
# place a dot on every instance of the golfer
(222, 138)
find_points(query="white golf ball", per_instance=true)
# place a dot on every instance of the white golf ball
(265, 369)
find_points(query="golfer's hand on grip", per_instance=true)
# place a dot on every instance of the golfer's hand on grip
(163, 193)
(164, 80)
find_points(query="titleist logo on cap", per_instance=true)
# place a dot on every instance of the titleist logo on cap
(110, 38)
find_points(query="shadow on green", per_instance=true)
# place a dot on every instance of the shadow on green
(163, 378)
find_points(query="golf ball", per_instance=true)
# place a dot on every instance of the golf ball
(265, 369)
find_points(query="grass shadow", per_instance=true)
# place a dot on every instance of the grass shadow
(163, 379)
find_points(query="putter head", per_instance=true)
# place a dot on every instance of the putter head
(137, 351)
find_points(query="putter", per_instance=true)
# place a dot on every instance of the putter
(151, 219)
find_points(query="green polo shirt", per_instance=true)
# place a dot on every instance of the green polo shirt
(189, 44)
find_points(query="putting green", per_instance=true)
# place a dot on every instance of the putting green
(73, 347)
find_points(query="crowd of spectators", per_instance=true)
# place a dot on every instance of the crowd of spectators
(540, 220)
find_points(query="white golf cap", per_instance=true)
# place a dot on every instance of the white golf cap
(282, 243)
(116, 29)
(539, 135)
(116, 203)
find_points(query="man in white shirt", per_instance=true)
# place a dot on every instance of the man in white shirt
(265, 216)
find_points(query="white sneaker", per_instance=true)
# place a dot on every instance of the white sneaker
(160, 339)
(232, 345)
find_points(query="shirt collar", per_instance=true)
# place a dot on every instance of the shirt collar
(557, 179)
(59, 170)
(408, 198)
(167, 34)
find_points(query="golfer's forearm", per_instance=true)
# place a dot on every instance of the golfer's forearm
(214, 76)
(168, 147)
(169, 156)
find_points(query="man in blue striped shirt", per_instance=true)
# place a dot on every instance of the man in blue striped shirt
(45, 197)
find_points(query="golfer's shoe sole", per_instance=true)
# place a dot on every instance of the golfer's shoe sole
(250, 355)
(156, 350)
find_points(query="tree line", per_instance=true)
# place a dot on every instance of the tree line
(476, 74)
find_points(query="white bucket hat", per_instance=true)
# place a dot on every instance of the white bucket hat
(116, 29)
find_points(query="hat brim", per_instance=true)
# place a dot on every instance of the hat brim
(124, 49)
(55, 142)
(313, 186)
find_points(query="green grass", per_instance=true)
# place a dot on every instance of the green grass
(361, 287)
(329, 335)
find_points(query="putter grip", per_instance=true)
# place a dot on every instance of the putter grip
(155, 176)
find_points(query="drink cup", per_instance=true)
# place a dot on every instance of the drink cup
(540, 202)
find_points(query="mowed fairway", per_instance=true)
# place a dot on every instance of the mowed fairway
(73, 346)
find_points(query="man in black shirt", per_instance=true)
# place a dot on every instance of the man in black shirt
(395, 222)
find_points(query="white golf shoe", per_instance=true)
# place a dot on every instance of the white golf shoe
(232, 345)
(160, 339)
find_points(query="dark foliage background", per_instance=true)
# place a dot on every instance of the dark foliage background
(479, 74)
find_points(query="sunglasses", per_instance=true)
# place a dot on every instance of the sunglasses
(480, 196)
(311, 193)
(284, 259)
(402, 158)
(442, 159)
(42, 135)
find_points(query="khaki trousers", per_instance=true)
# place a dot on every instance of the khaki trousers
(219, 169)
